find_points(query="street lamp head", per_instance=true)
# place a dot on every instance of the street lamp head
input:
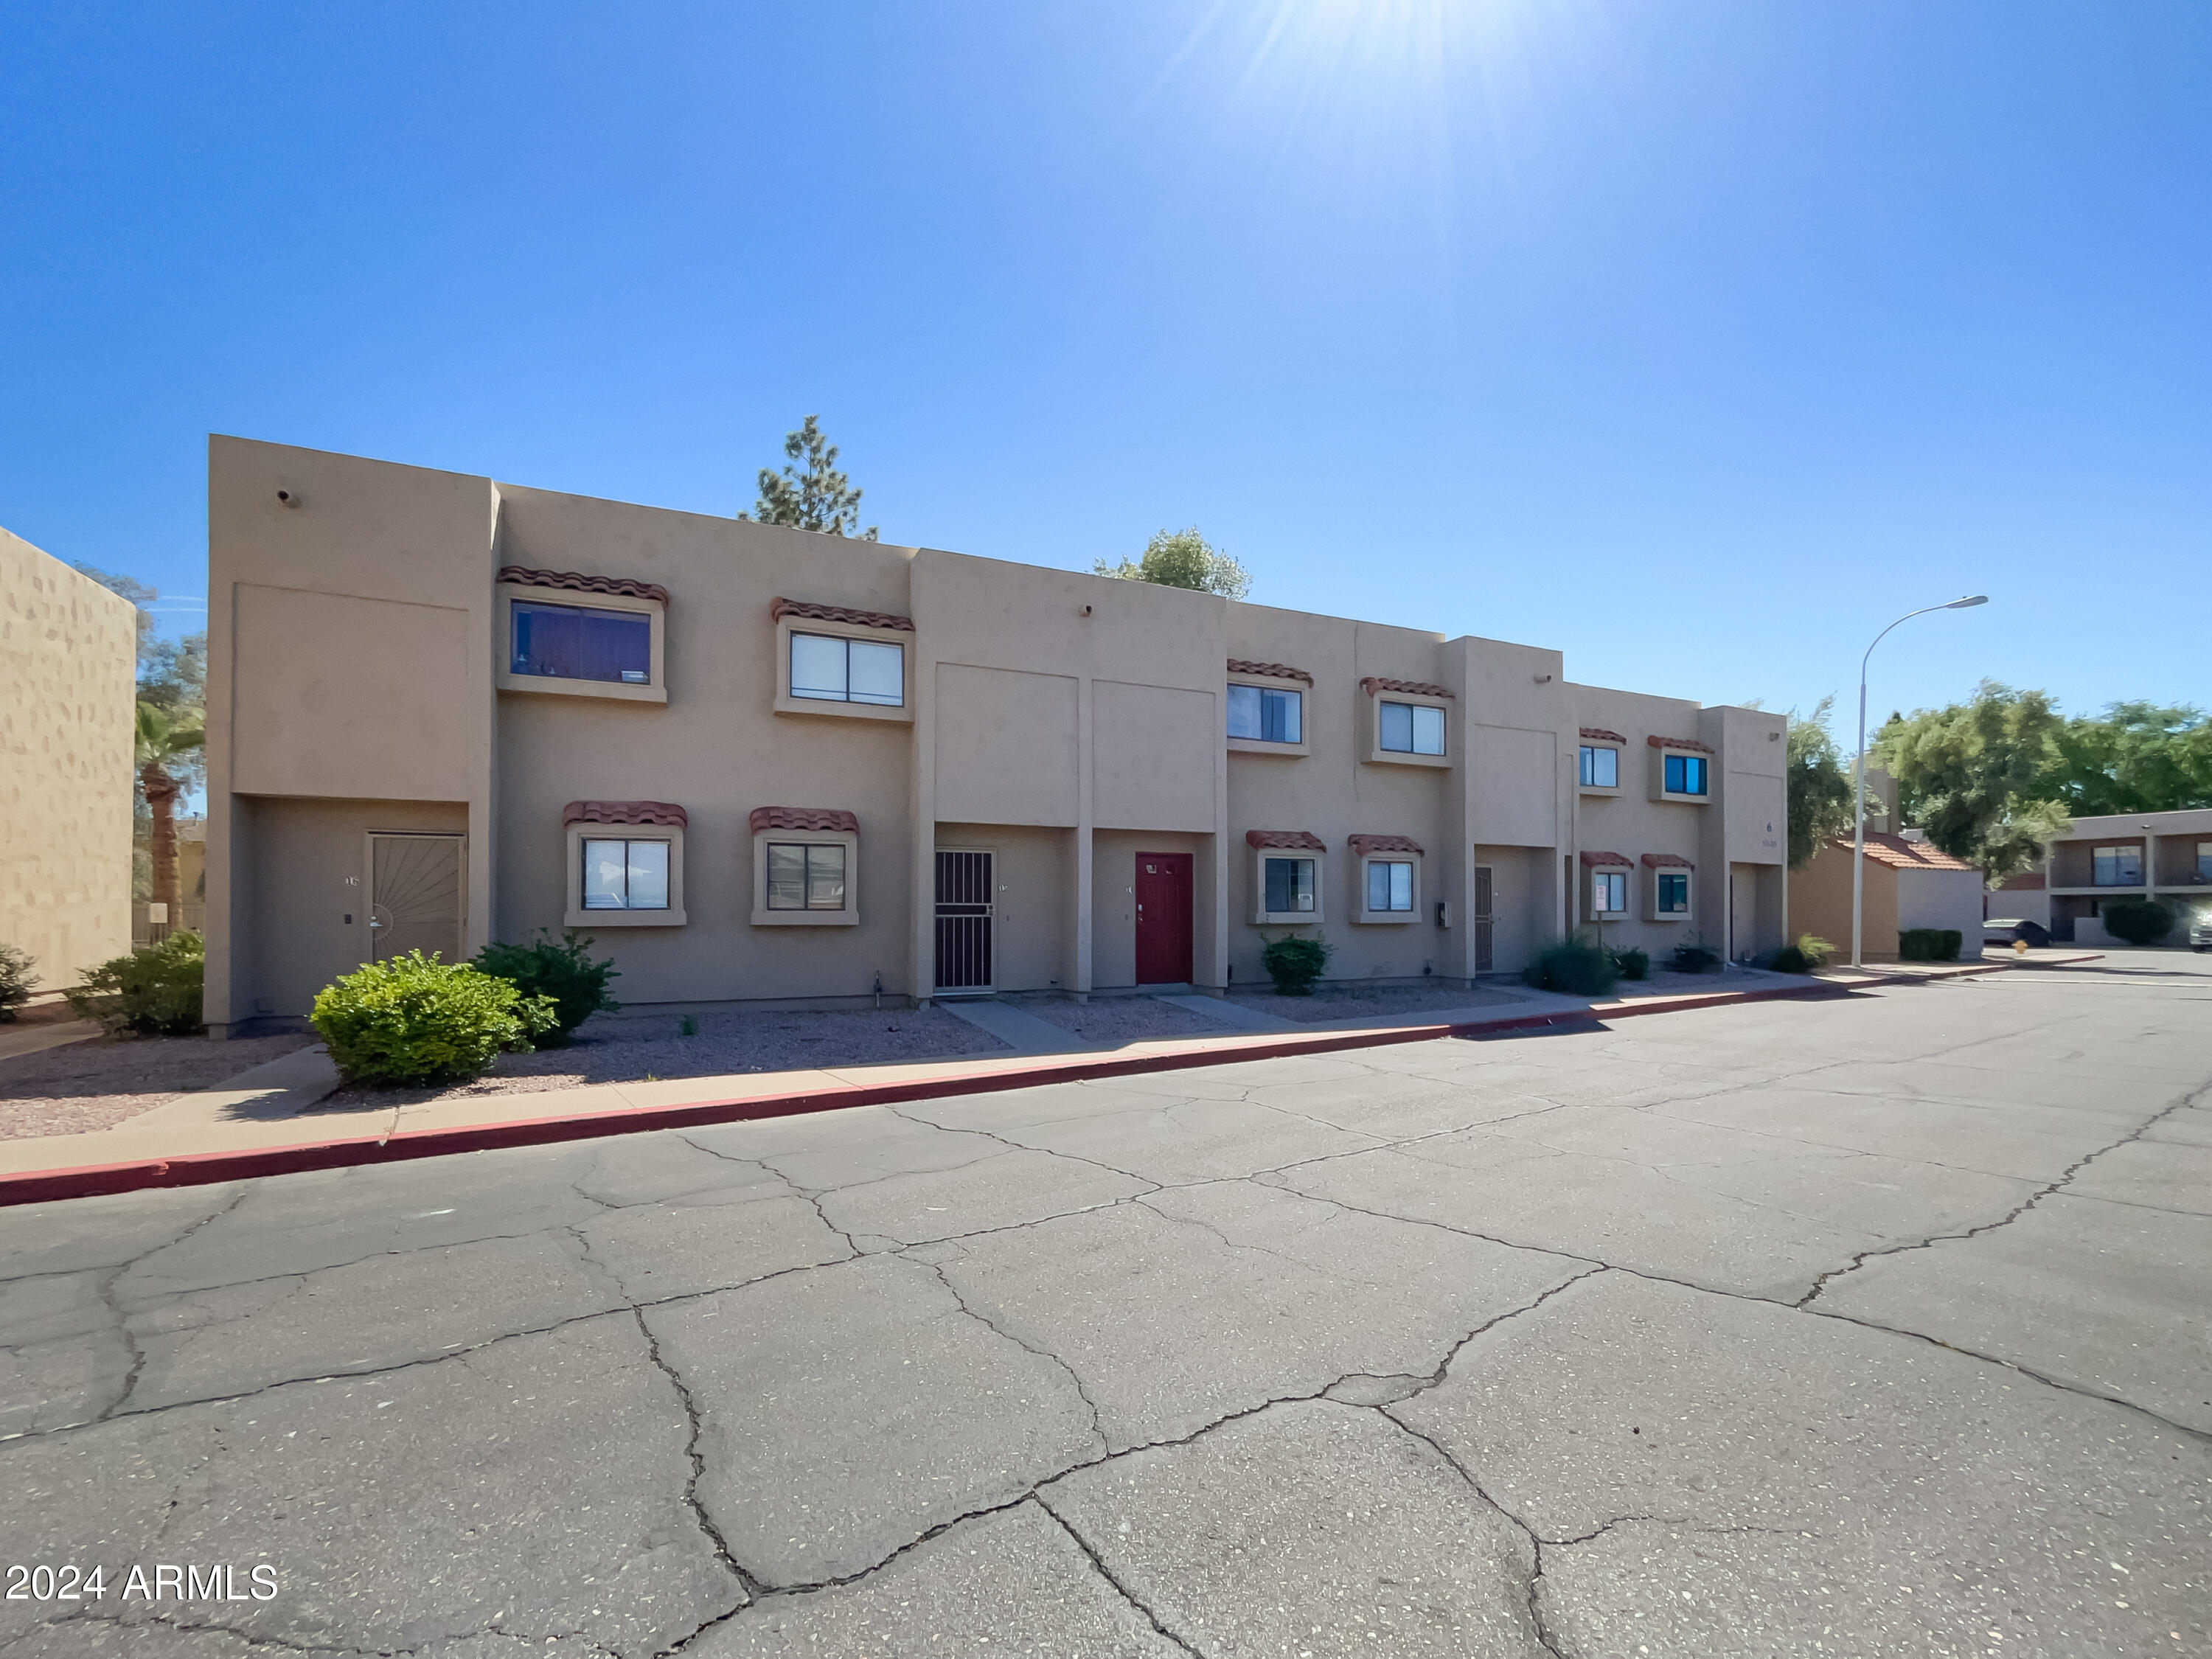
(1971, 600)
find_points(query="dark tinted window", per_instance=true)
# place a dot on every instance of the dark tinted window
(570, 642)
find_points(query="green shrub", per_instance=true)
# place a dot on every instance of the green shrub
(1696, 956)
(155, 992)
(1810, 952)
(416, 1020)
(1632, 962)
(2137, 920)
(15, 979)
(1572, 965)
(1930, 944)
(562, 969)
(1294, 964)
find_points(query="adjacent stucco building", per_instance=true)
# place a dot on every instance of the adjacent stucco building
(762, 765)
(2162, 855)
(69, 652)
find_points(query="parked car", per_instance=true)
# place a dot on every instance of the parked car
(2200, 931)
(1996, 931)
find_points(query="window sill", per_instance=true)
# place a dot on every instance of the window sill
(807, 918)
(1393, 757)
(1659, 920)
(1386, 918)
(552, 686)
(787, 704)
(1287, 918)
(1597, 789)
(592, 920)
(1682, 801)
(1260, 746)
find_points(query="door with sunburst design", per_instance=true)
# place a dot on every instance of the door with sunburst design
(415, 895)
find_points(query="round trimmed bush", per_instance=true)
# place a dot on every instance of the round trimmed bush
(1573, 966)
(1294, 964)
(2137, 920)
(155, 992)
(560, 968)
(416, 1020)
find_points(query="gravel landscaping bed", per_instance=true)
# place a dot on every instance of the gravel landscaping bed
(653, 1047)
(1124, 1019)
(1383, 1002)
(96, 1085)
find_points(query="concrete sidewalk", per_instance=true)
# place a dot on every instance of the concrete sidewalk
(269, 1120)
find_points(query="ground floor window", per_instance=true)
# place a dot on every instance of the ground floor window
(625, 874)
(1609, 893)
(1389, 885)
(1674, 894)
(805, 876)
(1290, 883)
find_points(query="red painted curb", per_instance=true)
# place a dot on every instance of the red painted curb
(203, 1169)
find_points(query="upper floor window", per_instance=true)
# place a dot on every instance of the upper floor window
(1685, 774)
(1266, 715)
(1389, 885)
(2204, 861)
(581, 642)
(1411, 728)
(625, 874)
(830, 669)
(1600, 768)
(2120, 867)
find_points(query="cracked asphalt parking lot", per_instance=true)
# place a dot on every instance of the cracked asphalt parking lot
(1872, 1325)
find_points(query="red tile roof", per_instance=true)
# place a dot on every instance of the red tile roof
(1304, 839)
(1268, 670)
(1594, 861)
(1680, 743)
(576, 582)
(1902, 855)
(839, 613)
(1373, 684)
(1363, 845)
(1666, 861)
(1602, 735)
(803, 818)
(624, 812)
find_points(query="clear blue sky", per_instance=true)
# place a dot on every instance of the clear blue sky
(1696, 339)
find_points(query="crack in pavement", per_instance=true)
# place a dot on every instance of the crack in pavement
(1099, 1566)
(1097, 1422)
(748, 1584)
(2019, 1210)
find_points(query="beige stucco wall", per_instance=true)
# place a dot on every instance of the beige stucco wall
(1820, 902)
(1067, 720)
(68, 687)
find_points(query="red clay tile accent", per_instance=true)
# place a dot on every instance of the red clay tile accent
(838, 613)
(1595, 860)
(1268, 670)
(1373, 684)
(2033, 884)
(1666, 861)
(576, 582)
(1899, 854)
(624, 812)
(1599, 734)
(1304, 840)
(1363, 845)
(1690, 744)
(803, 818)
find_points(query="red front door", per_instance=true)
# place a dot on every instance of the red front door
(1163, 911)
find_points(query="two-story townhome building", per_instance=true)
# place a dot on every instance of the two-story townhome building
(759, 765)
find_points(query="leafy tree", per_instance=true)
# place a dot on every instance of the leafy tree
(141, 596)
(2136, 757)
(820, 498)
(1182, 558)
(1968, 774)
(1820, 784)
(162, 740)
(172, 674)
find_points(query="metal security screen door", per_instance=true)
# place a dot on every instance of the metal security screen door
(415, 895)
(965, 893)
(1483, 920)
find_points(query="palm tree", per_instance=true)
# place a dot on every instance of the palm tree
(162, 738)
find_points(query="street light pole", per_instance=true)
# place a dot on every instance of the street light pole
(1858, 776)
